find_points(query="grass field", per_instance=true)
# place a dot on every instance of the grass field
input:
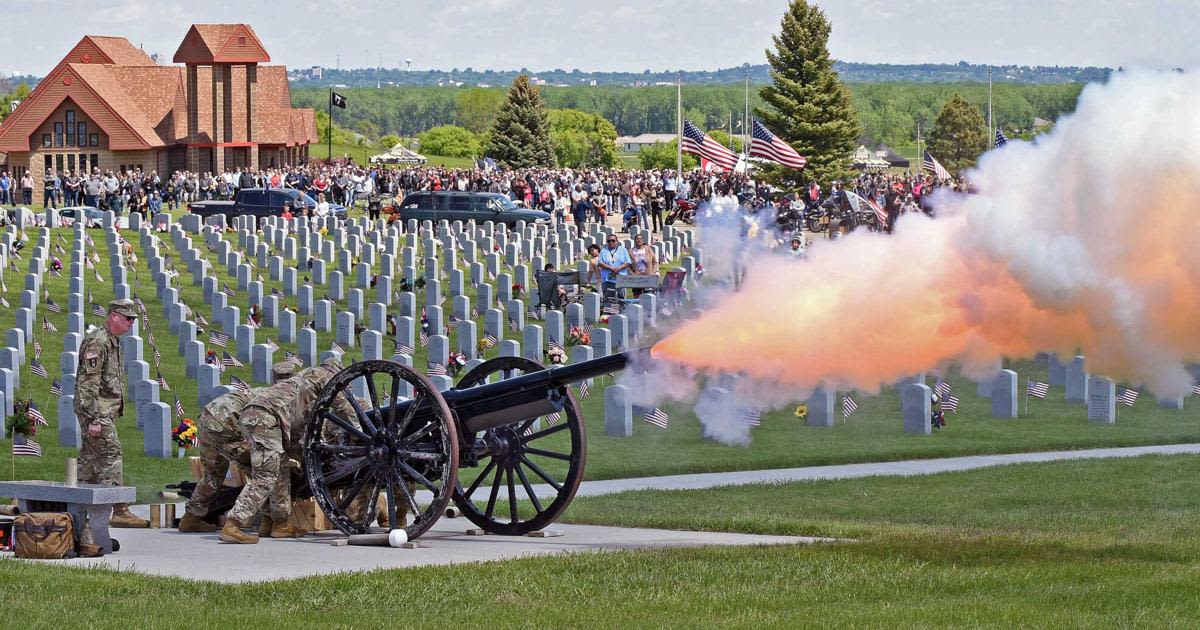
(872, 434)
(1108, 543)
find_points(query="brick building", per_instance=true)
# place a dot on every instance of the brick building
(106, 105)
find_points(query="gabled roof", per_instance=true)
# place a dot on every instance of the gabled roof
(121, 89)
(119, 51)
(221, 43)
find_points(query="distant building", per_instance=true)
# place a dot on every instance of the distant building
(315, 72)
(108, 106)
(633, 144)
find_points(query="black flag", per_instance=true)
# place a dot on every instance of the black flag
(337, 100)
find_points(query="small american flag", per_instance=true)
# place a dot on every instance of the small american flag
(336, 348)
(272, 345)
(56, 388)
(583, 389)
(950, 403)
(766, 145)
(690, 372)
(200, 319)
(4, 303)
(942, 388)
(554, 346)
(1037, 389)
(453, 319)
(512, 325)
(218, 339)
(162, 383)
(87, 262)
(658, 418)
(24, 446)
(932, 165)
(553, 418)
(37, 350)
(1128, 396)
(250, 321)
(489, 339)
(98, 278)
(35, 414)
(1196, 389)
(239, 384)
(435, 369)
(52, 307)
(228, 291)
(753, 417)
(424, 339)
(46, 294)
(37, 368)
(848, 406)
(157, 357)
(179, 408)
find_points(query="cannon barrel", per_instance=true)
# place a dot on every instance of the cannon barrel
(529, 395)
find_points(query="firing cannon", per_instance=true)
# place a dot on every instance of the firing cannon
(511, 418)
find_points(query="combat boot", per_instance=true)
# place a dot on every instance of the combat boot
(122, 517)
(232, 533)
(195, 525)
(282, 529)
(265, 525)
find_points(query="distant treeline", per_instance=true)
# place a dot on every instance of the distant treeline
(889, 112)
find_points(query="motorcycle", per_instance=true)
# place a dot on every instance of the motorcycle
(684, 210)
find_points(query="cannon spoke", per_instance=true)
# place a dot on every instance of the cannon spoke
(412, 472)
(543, 433)
(342, 449)
(409, 413)
(491, 506)
(391, 415)
(424, 431)
(537, 505)
(487, 469)
(372, 394)
(355, 490)
(362, 415)
(512, 497)
(408, 496)
(551, 454)
(350, 467)
(541, 473)
(346, 426)
(391, 505)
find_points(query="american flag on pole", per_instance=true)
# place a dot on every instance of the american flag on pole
(98, 310)
(218, 338)
(942, 388)
(1001, 139)
(690, 372)
(424, 339)
(857, 202)
(583, 389)
(229, 360)
(1037, 389)
(1128, 396)
(1196, 389)
(179, 408)
(433, 368)
(333, 345)
(489, 339)
(932, 165)
(52, 306)
(162, 383)
(950, 403)
(698, 143)
(56, 388)
(848, 406)
(37, 368)
(753, 417)
(35, 414)
(24, 446)
(37, 350)
(404, 348)
(239, 384)
(658, 418)
(766, 145)
(272, 345)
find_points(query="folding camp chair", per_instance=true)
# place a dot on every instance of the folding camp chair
(671, 292)
(558, 288)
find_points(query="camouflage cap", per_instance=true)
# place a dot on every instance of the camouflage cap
(283, 371)
(124, 307)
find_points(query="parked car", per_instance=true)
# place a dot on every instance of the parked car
(94, 216)
(262, 202)
(464, 206)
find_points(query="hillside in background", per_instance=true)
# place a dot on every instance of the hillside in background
(850, 73)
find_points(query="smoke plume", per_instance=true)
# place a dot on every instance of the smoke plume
(1085, 240)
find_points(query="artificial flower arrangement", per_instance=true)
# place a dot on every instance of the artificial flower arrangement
(456, 362)
(22, 423)
(578, 336)
(185, 436)
(55, 264)
(604, 319)
(556, 356)
(424, 322)
(256, 314)
(211, 358)
(517, 289)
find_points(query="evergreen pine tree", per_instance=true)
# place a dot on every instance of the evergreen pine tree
(807, 105)
(959, 135)
(520, 137)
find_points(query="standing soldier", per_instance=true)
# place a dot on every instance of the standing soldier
(267, 423)
(100, 400)
(222, 444)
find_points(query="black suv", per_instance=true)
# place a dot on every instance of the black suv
(464, 206)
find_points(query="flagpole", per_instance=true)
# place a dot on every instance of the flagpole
(329, 132)
(920, 156)
(746, 120)
(679, 128)
(991, 132)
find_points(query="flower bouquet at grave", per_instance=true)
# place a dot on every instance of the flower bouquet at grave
(517, 289)
(185, 435)
(406, 285)
(455, 362)
(424, 322)
(256, 314)
(374, 280)
(556, 356)
(420, 283)
(55, 264)
(604, 319)
(578, 336)
(21, 422)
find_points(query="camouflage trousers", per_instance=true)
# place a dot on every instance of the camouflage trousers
(218, 449)
(270, 479)
(100, 458)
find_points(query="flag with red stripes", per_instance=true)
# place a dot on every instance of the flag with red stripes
(768, 146)
(699, 143)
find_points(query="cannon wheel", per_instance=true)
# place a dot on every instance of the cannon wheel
(381, 451)
(511, 460)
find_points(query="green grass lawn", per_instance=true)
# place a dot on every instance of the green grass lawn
(872, 434)
(1106, 543)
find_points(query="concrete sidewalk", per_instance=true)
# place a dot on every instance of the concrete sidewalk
(167, 552)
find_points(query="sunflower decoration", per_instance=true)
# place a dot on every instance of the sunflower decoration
(801, 411)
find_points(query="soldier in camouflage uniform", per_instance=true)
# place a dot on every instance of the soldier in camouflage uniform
(272, 423)
(222, 444)
(100, 400)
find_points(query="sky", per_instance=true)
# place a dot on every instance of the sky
(621, 35)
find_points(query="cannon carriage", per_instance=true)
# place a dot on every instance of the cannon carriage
(507, 445)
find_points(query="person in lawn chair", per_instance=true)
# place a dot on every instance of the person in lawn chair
(937, 417)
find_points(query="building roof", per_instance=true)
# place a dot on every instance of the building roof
(120, 51)
(646, 138)
(221, 43)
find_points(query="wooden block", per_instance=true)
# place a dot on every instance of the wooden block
(197, 468)
(155, 516)
(369, 540)
(169, 516)
(412, 544)
(545, 533)
(477, 532)
(339, 542)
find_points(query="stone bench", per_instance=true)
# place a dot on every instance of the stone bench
(82, 501)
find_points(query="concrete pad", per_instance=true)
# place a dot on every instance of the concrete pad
(167, 552)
